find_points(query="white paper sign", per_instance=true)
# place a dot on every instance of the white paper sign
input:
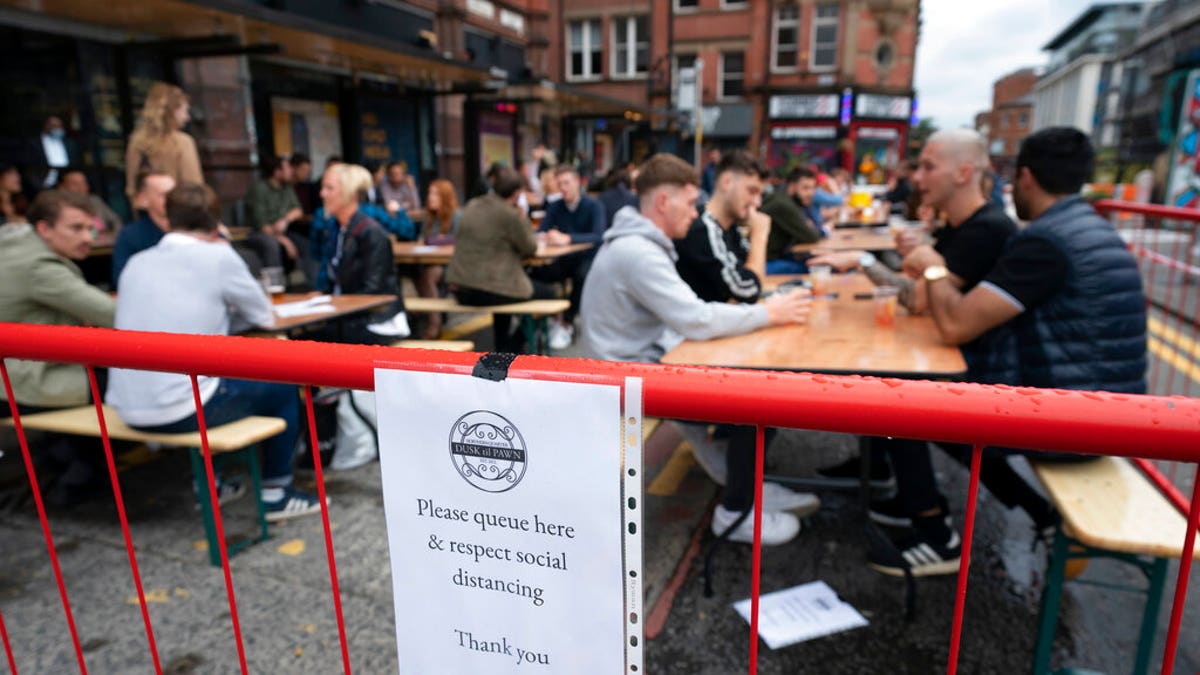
(801, 613)
(506, 519)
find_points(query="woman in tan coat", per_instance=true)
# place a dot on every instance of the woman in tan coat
(158, 143)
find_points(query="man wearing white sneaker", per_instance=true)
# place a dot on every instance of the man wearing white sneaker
(723, 258)
(635, 306)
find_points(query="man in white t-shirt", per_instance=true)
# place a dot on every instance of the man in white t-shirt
(194, 282)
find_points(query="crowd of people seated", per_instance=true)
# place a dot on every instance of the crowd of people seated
(664, 253)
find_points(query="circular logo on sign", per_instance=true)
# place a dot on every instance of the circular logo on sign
(488, 451)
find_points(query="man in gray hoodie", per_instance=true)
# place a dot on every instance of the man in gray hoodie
(635, 307)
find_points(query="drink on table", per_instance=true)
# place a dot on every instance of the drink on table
(274, 282)
(819, 276)
(886, 299)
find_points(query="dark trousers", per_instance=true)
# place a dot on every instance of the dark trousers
(270, 252)
(739, 464)
(504, 334)
(573, 267)
(79, 459)
(236, 399)
(916, 485)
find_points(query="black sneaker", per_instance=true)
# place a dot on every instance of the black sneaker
(847, 474)
(920, 553)
(889, 512)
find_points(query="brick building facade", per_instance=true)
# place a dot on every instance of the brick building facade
(1010, 119)
(806, 81)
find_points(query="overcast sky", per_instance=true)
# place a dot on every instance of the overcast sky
(966, 46)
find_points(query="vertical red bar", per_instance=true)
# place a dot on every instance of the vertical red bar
(216, 510)
(333, 578)
(756, 565)
(964, 563)
(12, 664)
(120, 500)
(41, 509)
(1185, 567)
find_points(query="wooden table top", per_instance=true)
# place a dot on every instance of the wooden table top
(853, 239)
(343, 305)
(413, 253)
(839, 338)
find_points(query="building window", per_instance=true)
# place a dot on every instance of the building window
(824, 38)
(733, 4)
(680, 62)
(786, 51)
(631, 46)
(732, 75)
(585, 50)
(1024, 120)
(686, 5)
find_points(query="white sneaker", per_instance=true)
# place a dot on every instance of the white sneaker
(708, 453)
(560, 336)
(777, 527)
(776, 497)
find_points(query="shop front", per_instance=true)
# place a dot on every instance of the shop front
(805, 130)
(879, 132)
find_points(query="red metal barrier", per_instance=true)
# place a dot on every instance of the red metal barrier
(1161, 428)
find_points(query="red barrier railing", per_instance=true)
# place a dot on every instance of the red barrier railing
(1159, 428)
(1164, 239)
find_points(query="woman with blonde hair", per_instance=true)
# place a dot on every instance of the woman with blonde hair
(159, 142)
(441, 225)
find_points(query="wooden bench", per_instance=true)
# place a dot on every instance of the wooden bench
(444, 345)
(1111, 510)
(534, 314)
(228, 443)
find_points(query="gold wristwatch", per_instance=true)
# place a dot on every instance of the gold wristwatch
(935, 272)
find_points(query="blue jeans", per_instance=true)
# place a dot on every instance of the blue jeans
(786, 266)
(236, 399)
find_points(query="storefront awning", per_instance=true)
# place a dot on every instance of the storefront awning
(252, 26)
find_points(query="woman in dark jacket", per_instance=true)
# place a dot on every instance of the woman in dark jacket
(362, 262)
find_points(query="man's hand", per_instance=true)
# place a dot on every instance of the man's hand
(288, 247)
(759, 225)
(907, 240)
(555, 238)
(919, 258)
(791, 307)
(839, 260)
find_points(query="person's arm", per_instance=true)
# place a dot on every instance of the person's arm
(377, 256)
(398, 224)
(759, 225)
(710, 262)
(595, 233)
(55, 285)
(242, 294)
(519, 233)
(658, 287)
(1028, 273)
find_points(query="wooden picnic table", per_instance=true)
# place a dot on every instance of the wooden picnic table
(853, 239)
(343, 305)
(414, 253)
(840, 338)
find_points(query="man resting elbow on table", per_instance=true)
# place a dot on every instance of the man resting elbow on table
(635, 306)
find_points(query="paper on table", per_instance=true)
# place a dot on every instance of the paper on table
(801, 613)
(424, 249)
(318, 304)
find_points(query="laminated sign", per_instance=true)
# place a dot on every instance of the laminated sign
(514, 523)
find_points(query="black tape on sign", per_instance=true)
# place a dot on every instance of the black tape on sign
(493, 366)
